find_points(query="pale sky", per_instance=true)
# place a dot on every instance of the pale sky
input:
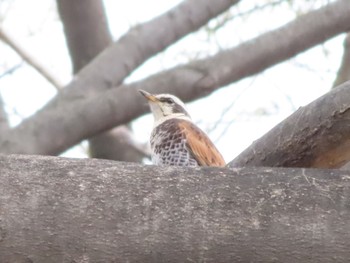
(257, 103)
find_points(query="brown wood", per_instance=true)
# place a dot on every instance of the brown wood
(64, 210)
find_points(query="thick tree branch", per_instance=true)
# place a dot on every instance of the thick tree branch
(28, 58)
(317, 135)
(343, 74)
(112, 66)
(86, 29)
(118, 144)
(65, 210)
(118, 106)
(87, 34)
(142, 42)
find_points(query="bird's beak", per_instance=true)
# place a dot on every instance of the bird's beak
(148, 96)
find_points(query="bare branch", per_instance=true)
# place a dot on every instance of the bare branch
(118, 106)
(116, 62)
(27, 57)
(86, 30)
(87, 34)
(10, 70)
(118, 144)
(70, 210)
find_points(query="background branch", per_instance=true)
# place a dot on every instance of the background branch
(88, 210)
(118, 106)
(85, 28)
(87, 34)
(116, 62)
(28, 58)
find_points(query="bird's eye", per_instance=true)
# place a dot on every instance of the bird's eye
(170, 101)
(167, 100)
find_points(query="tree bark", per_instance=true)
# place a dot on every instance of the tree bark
(87, 34)
(317, 135)
(344, 69)
(118, 144)
(107, 70)
(343, 74)
(113, 65)
(65, 210)
(85, 28)
(52, 130)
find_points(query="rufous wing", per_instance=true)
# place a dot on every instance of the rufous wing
(201, 147)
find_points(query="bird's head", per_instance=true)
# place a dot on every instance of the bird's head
(165, 106)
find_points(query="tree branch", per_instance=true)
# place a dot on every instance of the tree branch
(118, 106)
(87, 34)
(317, 135)
(86, 29)
(115, 63)
(28, 58)
(65, 210)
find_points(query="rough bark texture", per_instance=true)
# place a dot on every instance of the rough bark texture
(65, 210)
(87, 34)
(52, 130)
(317, 135)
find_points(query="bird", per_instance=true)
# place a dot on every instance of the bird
(175, 139)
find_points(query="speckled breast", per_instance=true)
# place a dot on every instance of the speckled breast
(168, 144)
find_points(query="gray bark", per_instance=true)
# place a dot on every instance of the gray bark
(57, 132)
(65, 210)
(85, 28)
(317, 135)
(52, 130)
(87, 34)
(118, 144)
(113, 65)
(343, 74)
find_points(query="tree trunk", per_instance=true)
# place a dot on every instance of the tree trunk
(65, 210)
